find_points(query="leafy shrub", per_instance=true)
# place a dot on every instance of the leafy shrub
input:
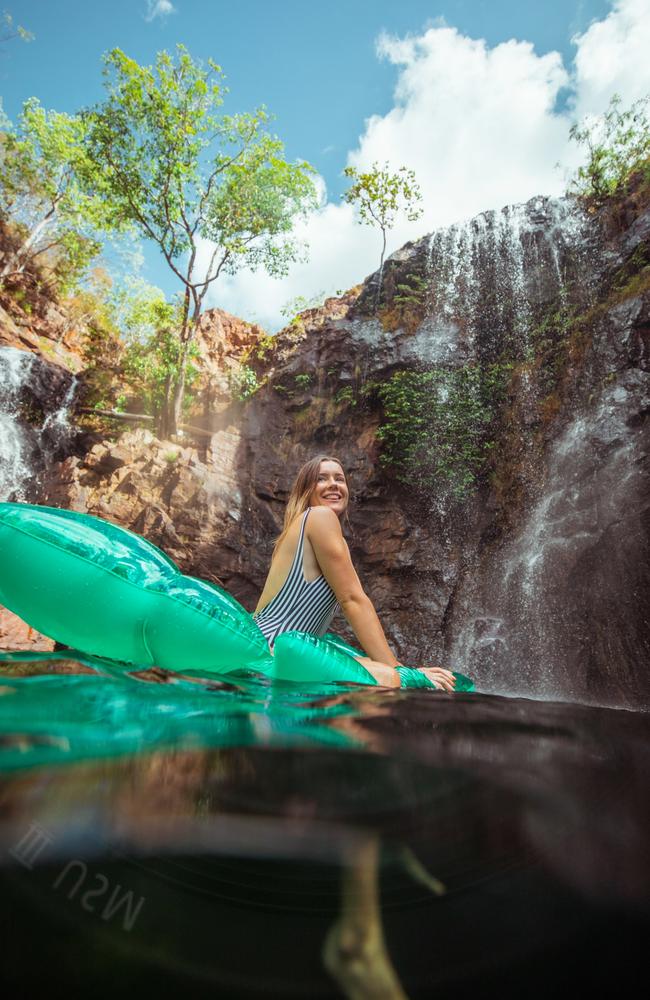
(243, 382)
(618, 145)
(346, 396)
(411, 292)
(436, 424)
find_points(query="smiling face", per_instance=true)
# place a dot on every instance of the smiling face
(331, 489)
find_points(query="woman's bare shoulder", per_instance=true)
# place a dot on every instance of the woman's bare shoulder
(322, 515)
(323, 523)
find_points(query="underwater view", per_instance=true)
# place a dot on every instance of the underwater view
(324, 492)
(260, 837)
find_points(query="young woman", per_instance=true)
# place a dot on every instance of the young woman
(312, 574)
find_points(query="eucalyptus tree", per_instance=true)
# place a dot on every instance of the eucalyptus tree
(211, 190)
(381, 196)
(44, 198)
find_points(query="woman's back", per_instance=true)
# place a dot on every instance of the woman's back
(293, 598)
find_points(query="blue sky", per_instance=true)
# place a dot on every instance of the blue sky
(340, 94)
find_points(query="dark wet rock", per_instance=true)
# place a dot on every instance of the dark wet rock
(35, 430)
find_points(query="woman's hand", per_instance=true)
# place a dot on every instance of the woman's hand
(441, 678)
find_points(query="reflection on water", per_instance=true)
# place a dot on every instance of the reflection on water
(181, 832)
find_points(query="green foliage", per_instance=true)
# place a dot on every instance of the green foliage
(436, 424)
(303, 380)
(412, 291)
(90, 313)
(260, 349)
(549, 345)
(151, 366)
(243, 382)
(405, 308)
(369, 389)
(90, 306)
(44, 195)
(292, 309)
(346, 396)
(153, 354)
(380, 195)
(168, 162)
(179, 171)
(617, 145)
(633, 277)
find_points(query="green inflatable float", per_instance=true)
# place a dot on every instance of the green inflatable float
(106, 591)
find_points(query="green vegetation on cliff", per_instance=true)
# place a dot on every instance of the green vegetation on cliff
(617, 146)
(379, 196)
(52, 219)
(436, 428)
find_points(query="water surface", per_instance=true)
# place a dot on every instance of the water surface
(195, 834)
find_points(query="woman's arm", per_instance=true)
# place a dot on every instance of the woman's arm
(333, 556)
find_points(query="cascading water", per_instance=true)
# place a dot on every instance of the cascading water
(15, 446)
(490, 277)
(488, 282)
(553, 612)
(544, 601)
(549, 611)
(35, 403)
(57, 429)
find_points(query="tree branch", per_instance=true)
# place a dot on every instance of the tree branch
(141, 219)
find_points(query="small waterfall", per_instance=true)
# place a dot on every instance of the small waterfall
(15, 444)
(548, 614)
(497, 277)
(30, 390)
(491, 278)
(57, 429)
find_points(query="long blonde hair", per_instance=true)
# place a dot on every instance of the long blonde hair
(301, 491)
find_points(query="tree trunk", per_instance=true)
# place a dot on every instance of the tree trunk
(381, 270)
(188, 331)
(165, 422)
(116, 414)
(11, 265)
(178, 393)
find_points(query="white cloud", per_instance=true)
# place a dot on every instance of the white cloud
(472, 122)
(337, 245)
(613, 56)
(480, 127)
(159, 8)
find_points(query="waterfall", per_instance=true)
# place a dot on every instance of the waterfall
(542, 611)
(15, 445)
(57, 429)
(31, 391)
(546, 560)
(490, 277)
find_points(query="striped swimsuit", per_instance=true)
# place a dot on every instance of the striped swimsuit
(307, 606)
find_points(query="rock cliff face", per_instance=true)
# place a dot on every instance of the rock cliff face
(536, 581)
(511, 541)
